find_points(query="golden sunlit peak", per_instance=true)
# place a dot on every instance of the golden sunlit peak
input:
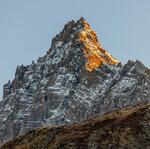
(83, 21)
(92, 49)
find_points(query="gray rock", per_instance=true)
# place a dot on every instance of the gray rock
(57, 89)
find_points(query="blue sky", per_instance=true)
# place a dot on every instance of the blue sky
(27, 27)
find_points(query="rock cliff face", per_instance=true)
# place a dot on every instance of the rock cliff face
(76, 79)
(127, 128)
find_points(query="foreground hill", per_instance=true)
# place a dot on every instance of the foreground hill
(126, 128)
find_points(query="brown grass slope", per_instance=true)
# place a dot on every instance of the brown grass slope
(122, 129)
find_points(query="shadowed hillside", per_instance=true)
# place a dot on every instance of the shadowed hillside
(126, 128)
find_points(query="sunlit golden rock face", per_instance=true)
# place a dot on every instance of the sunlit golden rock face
(92, 49)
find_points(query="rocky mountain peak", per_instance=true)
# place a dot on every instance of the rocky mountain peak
(81, 33)
(74, 80)
(92, 49)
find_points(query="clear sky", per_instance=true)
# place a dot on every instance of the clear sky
(27, 27)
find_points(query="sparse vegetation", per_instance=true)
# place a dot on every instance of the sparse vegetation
(126, 128)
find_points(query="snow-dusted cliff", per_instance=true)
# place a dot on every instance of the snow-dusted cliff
(76, 79)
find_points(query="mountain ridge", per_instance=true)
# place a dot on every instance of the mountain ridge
(62, 88)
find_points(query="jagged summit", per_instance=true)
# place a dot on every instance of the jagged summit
(81, 32)
(93, 50)
(76, 79)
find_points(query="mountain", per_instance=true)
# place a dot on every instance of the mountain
(127, 128)
(74, 80)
